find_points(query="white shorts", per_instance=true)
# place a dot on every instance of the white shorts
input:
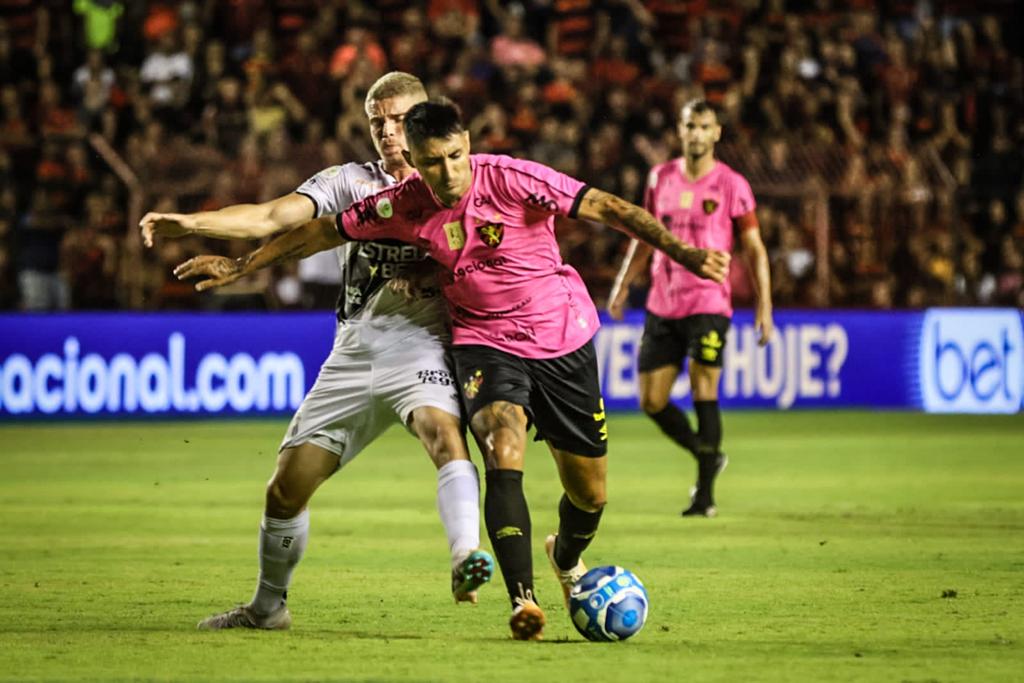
(358, 395)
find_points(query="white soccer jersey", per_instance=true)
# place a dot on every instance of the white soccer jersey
(389, 351)
(374, 313)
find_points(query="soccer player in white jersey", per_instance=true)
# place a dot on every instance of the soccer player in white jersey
(703, 202)
(387, 365)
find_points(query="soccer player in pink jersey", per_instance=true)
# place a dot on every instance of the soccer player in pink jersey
(703, 202)
(522, 322)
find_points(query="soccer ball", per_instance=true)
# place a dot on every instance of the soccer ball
(608, 603)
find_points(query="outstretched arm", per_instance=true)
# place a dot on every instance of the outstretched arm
(238, 222)
(609, 209)
(315, 236)
(633, 263)
(757, 260)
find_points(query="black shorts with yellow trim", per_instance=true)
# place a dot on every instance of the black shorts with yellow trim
(561, 396)
(667, 341)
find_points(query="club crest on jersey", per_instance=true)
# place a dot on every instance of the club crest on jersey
(491, 233)
(384, 208)
(472, 386)
(709, 206)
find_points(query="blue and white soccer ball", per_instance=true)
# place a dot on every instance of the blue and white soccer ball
(607, 604)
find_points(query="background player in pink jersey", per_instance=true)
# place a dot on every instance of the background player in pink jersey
(703, 202)
(522, 322)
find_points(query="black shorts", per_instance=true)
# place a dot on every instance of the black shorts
(561, 396)
(667, 341)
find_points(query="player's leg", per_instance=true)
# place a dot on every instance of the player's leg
(334, 423)
(420, 389)
(579, 514)
(458, 498)
(284, 532)
(708, 333)
(285, 529)
(570, 417)
(500, 432)
(659, 361)
(495, 391)
(655, 387)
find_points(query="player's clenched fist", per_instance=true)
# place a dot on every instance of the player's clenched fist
(164, 225)
(716, 265)
(218, 271)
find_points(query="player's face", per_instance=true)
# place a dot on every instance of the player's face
(444, 165)
(386, 128)
(699, 133)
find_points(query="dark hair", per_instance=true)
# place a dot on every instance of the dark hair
(698, 106)
(436, 118)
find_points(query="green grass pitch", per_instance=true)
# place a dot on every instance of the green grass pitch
(839, 535)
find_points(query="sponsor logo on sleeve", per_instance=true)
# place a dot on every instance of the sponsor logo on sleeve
(384, 208)
(541, 202)
(456, 235)
(329, 172)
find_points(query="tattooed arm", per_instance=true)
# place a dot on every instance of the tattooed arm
(306, 240)
(609, 209)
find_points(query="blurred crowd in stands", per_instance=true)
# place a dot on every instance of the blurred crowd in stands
(884, 139)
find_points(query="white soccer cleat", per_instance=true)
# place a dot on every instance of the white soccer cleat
(566, 577)
(243, 617)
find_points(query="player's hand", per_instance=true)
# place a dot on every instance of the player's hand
(218, 271)
(715, 265)
(764, 325)
(617, 305)
(165, 225)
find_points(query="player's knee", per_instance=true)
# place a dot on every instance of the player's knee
(500, 431)
(283, 501)
(444, 443)
(652, 404)
(591, 500)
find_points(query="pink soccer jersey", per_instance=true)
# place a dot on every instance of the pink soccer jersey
(700, 213)
(506, 285)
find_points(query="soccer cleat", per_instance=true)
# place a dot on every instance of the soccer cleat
(527, 622)
(702, 501)
(567, 578)
(473, 572)
(243, 617)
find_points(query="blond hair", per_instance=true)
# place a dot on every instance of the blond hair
(394, 84)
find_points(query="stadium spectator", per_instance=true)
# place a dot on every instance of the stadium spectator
(928, 110)
(99, 23)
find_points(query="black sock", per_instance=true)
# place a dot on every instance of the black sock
(709, 427)
(576, 529)
(508, 525)
(676, 426)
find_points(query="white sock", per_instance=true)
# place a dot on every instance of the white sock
(458, 503)
(282, 542)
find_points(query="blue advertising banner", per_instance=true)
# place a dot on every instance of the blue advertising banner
(164, 365)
